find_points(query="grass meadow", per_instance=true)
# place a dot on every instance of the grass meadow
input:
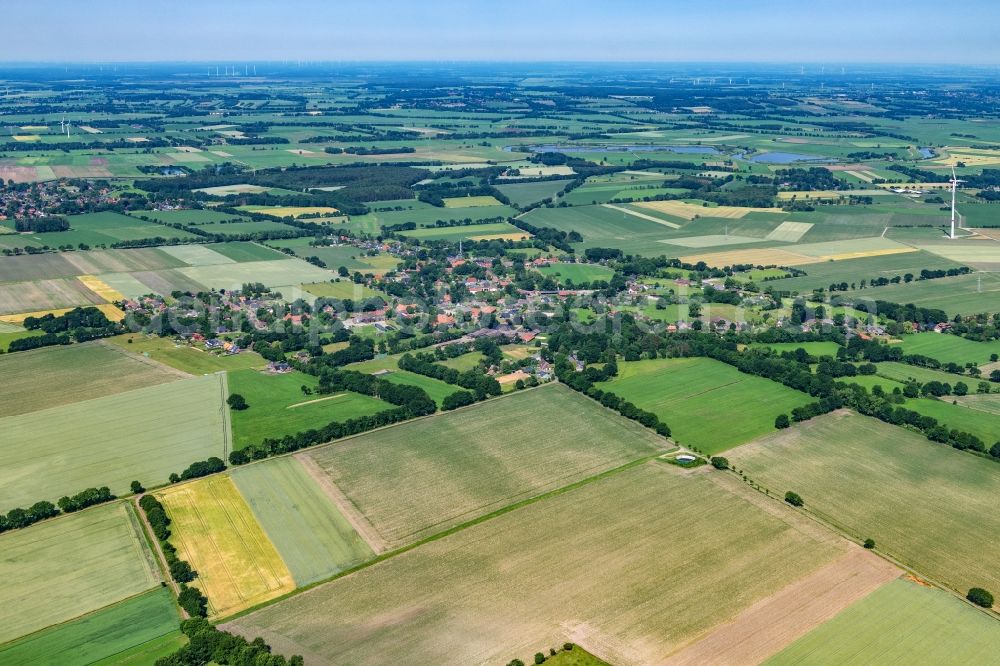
(191, 360)
(278, 407)
(576, 272)
(929, 506)
(143, 434)
(110, 562)
(950, 348)
(689, 393)
(416, 479)
(605, 564)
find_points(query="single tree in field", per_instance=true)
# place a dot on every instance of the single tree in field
(782, 421)
(793, 498)
(718, 462)
(980, 597)
(237, 402)
(869, 543)
(136, 487)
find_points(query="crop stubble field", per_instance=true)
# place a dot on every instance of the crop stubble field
(559, 569)
(413, 480)
(927, 505)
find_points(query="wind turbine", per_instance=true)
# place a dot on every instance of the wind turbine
(954, 185)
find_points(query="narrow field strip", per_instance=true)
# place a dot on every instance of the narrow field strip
(642, 216)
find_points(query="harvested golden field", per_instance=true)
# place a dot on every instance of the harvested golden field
(101, 288)
(214, 529)
(631, 567)
(109, 310)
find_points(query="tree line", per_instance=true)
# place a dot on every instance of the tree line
(190, 598)
(209, 645)
(19, 518)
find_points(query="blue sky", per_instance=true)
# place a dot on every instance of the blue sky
(845, 31)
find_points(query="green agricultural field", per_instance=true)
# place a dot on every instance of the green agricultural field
(871, 381)
(416, 479)
(94, 229)
(604, 227)
(464, 362)
(866, 268)
(422, 214)
(110, 562)
(963, 294)
(53, 376)
(575, 657)
(245, 251)
(189, 217)
(901, 623)
(196, 255)
(901, 372)
(982, 424)
(523, 194)
(436, 389)
(270, 273)
(185, 358)
(335, 256)
(465, 232)
(576, 273)
(929, 506)
(143, 434)
(8, 336)
(811, 348)
(470, 202)
(689, 393)
(236, 229)
(278, 407)
(71, 264)
(313, 538)
(950, 348)
(608, 563)
(147, 653)
(105, 633)
(342, 289)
